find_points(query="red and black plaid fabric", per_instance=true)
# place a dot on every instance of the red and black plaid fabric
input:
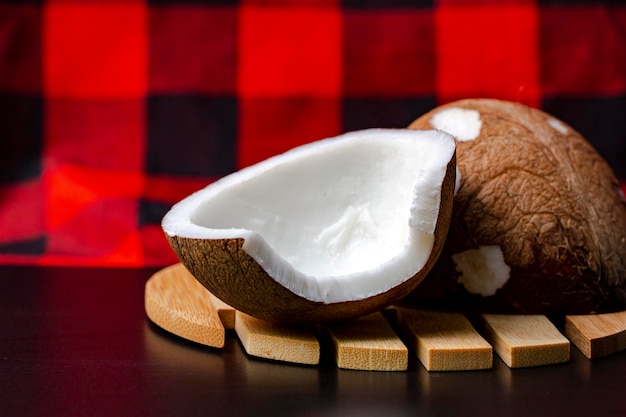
(111, 111)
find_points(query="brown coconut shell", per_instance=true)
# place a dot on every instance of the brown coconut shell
(227, 271)
(549, 201)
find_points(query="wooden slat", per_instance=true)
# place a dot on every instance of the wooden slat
(177, 302)
(445, 341)
(368, 343)
(597, 335)
(226, 312)
(281, 342)
(525, 340)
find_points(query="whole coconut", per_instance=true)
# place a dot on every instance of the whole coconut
(539, 219)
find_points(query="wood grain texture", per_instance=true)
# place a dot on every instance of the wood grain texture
(178, 303)
(281, 342)
(368, 343)
(444, 341)
(226, 312)
(597, 335)
(525, 340)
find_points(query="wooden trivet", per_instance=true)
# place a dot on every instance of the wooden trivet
(446, 341)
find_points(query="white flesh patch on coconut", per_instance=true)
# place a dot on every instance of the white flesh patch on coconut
(557, 125)
(483, 270)
(339, 219)
(463, 124)
(457, 180)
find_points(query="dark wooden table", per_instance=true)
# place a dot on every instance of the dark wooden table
(76, 342)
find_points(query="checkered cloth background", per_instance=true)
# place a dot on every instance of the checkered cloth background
(110, 112)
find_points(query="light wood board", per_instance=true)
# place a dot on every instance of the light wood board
(281, 342)
(525, 340)
(178, 303)
(226, 312)
(599, 334)
(445, 341)
(368, 343)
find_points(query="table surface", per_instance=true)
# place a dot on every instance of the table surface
(76, 341)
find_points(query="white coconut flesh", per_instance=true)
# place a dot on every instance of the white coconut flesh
(483, 270)
(336, 220)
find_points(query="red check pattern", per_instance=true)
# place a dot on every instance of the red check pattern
(110, 112)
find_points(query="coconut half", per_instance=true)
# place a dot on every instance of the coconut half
(539, 220)
(328, 231)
